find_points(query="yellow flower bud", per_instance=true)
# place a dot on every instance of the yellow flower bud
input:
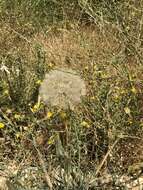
(133, 90)
(49, 115)
(2, 125)
(85, 124)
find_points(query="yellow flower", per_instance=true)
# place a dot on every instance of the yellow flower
(130, 121)
(35, 107)
(6, 92)
(92, 98)
(2, 125)
(51, 140)
(85, 124)
(95, 67)
(25, 128)
(133, 90)
(49, 115)
(38, 82)
(127, 110)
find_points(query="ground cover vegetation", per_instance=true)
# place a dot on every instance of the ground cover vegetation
(49, 147)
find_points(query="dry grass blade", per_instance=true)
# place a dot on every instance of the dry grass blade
(47, 177)
(105, 157)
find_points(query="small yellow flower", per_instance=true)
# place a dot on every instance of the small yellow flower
(51, 140)
(93, 98)
(133, 90)
(49, 115)
(6, 92)
(38, 82)
(127, 110)
(130, 121)
(85, 124)
(35, 107)
(25, 128)
(2, 125)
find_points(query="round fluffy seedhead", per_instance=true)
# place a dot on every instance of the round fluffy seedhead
(62, 88)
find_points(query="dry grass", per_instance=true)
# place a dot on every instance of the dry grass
(109, 59)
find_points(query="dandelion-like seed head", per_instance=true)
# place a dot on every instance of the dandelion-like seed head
(62, 88)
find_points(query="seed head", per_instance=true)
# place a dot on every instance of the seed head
(62, 88)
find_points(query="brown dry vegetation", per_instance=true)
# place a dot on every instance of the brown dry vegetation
(105, 130)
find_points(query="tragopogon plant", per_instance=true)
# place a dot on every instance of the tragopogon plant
(62, 88)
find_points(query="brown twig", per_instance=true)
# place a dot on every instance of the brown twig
(105, 157)
(111, 148)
